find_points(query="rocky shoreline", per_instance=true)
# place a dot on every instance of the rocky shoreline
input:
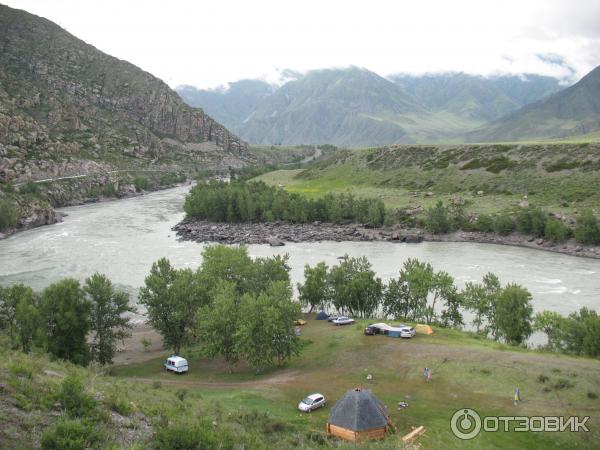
(38, 215)
(278, 233)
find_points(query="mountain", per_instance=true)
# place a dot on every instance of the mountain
(475, 97)
(63, 100)
(231, 105)
(355, 107)
(573, 111)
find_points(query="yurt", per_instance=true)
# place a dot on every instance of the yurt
(358, 415)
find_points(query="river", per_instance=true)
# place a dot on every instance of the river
(122, 238)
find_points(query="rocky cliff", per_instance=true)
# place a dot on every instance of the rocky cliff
(67, 109)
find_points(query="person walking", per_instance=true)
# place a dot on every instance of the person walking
(426, 373)
(517, 396)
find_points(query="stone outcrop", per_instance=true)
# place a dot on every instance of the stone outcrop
(61, 98)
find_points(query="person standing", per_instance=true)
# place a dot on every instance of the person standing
(517, 396)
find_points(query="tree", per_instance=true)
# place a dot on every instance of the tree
(555, 230)
(172, 298)
(417, 277)
(437, 220)
(217, 324)
(315, 290)
(354, 287)
(553, 325)
(66, 314)
(266, 327)
(28, 323)
(108, 321)
(9, 300)
(587, 230)
(480, 299)
(581, 333)
(396, 300)
(513, 314)
(442, 289)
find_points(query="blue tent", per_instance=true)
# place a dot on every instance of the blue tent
(322, 316)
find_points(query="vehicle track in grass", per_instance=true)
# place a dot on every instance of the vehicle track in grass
(284, 377)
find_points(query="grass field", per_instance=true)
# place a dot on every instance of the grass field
(560, 177)
(467, 372)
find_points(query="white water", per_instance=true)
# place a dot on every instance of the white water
(122, 238)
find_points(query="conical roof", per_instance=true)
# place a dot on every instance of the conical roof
(359, 410)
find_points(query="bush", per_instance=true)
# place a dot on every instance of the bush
(140, 183)
(504, 224)
(109, 190)
(587, 230)
(9, 215)
(30, 188)
(484, 223)
(531, 221)
(73, 399)
(437, 220)
(70, 435)
(192, 437)
(555, 230)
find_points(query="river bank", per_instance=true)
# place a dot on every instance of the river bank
(36, 214)
(277, 233)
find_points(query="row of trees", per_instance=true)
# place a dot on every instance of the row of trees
(70, 321)
(419, 294)
(578, 333)
(532, 221)
(256, 202)
(232, 306)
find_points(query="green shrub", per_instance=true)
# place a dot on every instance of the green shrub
(70, 435)
(73, 399)
(30, 187)
(555, 230)
(587, 230)
(437, 220)
(531, 221)
(9, 215)
(140, 183)
(498, 164)
(592, 395)
(199, 436)
(562, 164)
(484, 223)
(504, 224)
(109, 190)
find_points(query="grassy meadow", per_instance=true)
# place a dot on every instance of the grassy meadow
(467, 372)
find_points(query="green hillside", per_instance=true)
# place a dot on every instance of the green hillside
(561, 177)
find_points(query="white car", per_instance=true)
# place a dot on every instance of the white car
(312, 402)
(176, 364)
(406, 331)
(342, 320)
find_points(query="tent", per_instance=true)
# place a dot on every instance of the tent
(425, 329)
(322, 316)
(358, 415)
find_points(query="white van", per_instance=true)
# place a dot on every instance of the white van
(176, 364)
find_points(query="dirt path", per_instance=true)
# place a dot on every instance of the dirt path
(284, 377)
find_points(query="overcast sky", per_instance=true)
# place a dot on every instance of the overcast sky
(208, 43)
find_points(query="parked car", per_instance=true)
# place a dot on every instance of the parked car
(371, 330)
(312, 402)
(343, 320)
(176, 364)
(332, 317)
(406, 331)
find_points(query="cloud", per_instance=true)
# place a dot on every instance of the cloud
(212, 43)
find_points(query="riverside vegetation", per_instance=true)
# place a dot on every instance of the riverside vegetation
(238, 310)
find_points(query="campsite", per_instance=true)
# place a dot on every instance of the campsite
(466, 372)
